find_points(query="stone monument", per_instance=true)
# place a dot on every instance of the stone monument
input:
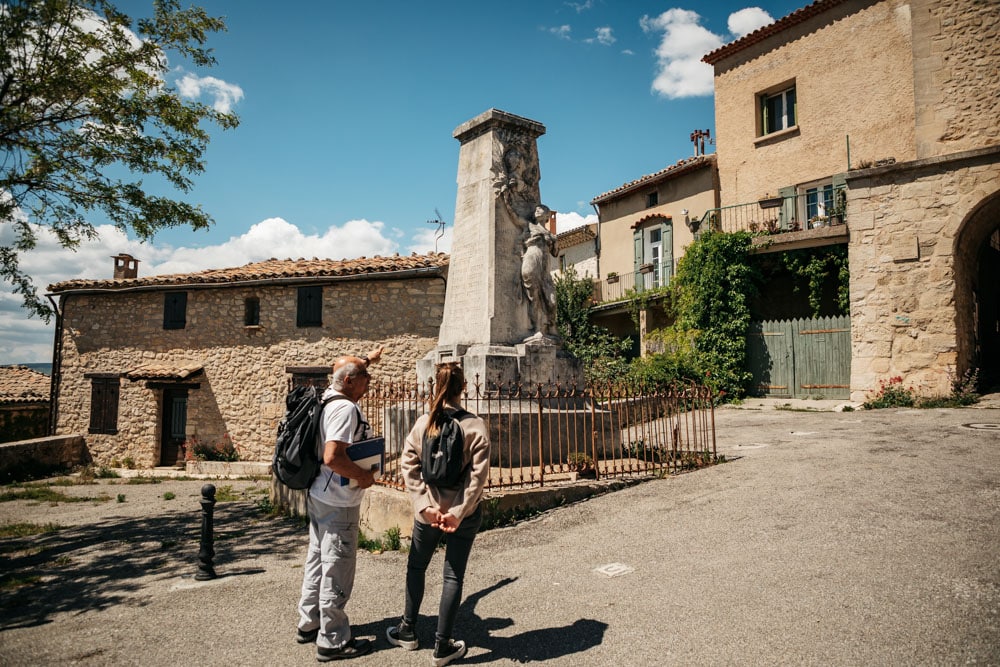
(499, 310)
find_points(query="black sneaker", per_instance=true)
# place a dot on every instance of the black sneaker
(445, 652)
(403, 635)
(306, 636)
(352, 649)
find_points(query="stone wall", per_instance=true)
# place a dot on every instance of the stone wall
(27, 458)
(242, 389)
(905, 220)
(956, 54)
(22, 421)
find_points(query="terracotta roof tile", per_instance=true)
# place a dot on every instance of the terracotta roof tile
(673, 171)
(576, 236)
(760, 34)
(165, 371)
(271, 269)
(20, 384)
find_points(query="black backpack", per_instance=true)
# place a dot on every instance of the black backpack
(441, 455)
(296, 453)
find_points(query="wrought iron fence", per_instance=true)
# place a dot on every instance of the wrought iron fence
(626, 285)
(553, 433)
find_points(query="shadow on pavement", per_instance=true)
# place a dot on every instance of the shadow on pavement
(95, 566)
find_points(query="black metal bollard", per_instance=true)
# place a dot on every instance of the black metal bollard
(206, 554)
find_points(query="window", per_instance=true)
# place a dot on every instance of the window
(104, 404)
(562, 263)
(652, 199)
(251, 311)
(777, 111)
(819, 201)
(310, 307)
(174, 310)
(654, 258)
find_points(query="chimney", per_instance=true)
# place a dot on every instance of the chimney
(126, 266)
(552, 223)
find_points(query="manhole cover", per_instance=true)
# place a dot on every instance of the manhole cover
(982, 427)
(614, 569)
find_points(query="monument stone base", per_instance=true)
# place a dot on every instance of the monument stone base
(536, 361)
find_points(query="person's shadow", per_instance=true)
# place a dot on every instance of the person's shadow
(533, 645)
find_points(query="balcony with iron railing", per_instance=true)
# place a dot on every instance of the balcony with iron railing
(821, 208)
(625, 286)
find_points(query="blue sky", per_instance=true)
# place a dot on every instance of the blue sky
(347, 110)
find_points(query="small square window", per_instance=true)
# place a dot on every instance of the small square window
(175, 310)
(251, 311)
(652, 199)
(778, 111)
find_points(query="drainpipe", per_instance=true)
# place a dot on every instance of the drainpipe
(597, 241)
(56, 372)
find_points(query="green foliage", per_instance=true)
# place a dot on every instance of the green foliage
(601, 353)
(391, 540)
(46, 495)
(226, 494)
(121, 497)
(169, 495)
(712, 290)
(815, 266)
(495, 517)
(892, 394)
(226, 450)
(27, 529)
(677, 361)
(82, 102)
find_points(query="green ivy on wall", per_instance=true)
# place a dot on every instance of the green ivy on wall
(815, 267)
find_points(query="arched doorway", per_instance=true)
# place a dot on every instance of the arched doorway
(977, 293)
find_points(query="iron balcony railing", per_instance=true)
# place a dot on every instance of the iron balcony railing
(814, 209)
(619, 287)
(555, 433)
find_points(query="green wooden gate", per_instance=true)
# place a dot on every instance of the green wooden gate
(801, 358)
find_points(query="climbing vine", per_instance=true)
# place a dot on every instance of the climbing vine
(602, 354)
(712, 290)
(816, 266)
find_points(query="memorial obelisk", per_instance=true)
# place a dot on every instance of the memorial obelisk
(499, 310)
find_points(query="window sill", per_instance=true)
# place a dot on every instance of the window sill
(774, 137)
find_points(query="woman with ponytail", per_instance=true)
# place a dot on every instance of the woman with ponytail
(439, 510)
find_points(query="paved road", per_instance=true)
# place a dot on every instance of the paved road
(853, 538)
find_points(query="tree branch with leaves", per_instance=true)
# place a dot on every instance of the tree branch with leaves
(85, 113)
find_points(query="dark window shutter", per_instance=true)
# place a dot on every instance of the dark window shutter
(251, 311)
(104, 395)
(174, 310)
(310, 307)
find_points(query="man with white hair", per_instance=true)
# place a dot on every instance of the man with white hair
(334, 514)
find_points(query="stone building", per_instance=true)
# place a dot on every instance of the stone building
(24, 403)
(642, 230)
(145, 367)
(896, 105)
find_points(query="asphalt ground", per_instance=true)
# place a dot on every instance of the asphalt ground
(828, 538)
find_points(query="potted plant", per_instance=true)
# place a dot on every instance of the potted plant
(839, 208)
(612, 277)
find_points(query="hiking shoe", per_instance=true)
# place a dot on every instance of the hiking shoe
(403, 635)
(306, 636)
(352, 649)
(446, 651)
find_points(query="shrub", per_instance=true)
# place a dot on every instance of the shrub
(891, 394)
(226, 450)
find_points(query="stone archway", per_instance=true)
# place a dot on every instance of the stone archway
(977, 292)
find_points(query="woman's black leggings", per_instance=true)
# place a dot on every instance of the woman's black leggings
(458, 545)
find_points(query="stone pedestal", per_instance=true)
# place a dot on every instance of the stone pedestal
(525, 363)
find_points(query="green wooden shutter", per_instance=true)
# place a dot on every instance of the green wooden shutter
(786, 216)
(666, 251)
(637, 257)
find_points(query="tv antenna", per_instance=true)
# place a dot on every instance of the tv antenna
(439, 221)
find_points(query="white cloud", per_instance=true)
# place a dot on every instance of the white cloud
(224, 94)
(604, 35)
(680, 72)
(426, 240)
(581, 6)
(562, 31)
(745, 21)
(24, 339)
